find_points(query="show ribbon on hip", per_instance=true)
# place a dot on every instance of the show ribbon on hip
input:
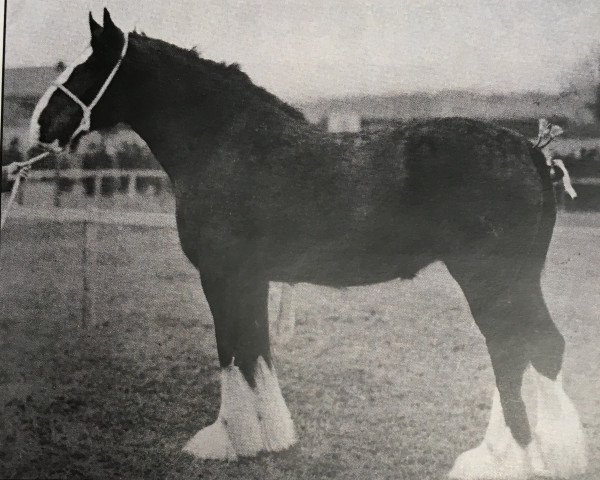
(546, 133)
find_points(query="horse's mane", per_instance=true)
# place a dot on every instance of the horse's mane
(230, 72)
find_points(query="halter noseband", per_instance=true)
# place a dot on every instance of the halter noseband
(85, 124)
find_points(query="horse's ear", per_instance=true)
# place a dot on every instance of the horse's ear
(95, 28)
(108, 23)
(108, 37)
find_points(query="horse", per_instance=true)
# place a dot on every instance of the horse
(263, 195)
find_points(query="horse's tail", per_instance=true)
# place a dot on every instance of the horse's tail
(548, 177)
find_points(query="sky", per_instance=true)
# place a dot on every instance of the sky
(310, 48)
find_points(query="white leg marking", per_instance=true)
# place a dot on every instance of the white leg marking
(558, 431)
(499, 456)
(211, 442)
(275, 420)
(286, 317)
(249, 421)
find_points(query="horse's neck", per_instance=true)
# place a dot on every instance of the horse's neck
(181, 125)
(168, 132)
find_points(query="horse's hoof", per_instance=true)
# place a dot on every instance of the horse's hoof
(510, 462)
(211, 442)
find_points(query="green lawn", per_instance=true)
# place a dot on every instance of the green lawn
(119, 399)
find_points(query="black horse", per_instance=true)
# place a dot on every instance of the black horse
(263, 195)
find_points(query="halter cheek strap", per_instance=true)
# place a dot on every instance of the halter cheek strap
(86, 122)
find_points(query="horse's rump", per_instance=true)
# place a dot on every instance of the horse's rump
(476, 181)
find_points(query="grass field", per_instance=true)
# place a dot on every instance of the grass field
(390, 381)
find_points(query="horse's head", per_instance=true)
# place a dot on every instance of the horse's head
(87, 95)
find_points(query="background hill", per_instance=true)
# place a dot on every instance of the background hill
(455, 103)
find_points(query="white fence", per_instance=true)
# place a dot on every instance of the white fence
(98, 176)
(78, 173)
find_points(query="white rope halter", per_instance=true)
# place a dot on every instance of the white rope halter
(85, 124)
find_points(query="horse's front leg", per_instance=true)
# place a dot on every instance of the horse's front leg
(253, 416)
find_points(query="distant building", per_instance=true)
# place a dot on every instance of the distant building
(338, 122)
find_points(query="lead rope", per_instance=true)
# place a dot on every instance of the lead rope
(546, 133)
(15, 187)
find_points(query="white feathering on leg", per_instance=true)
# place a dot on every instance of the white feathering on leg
(238, 413)
(558, 431)
(250, 420)
(499, 456)
(211, 443)
(276, 422)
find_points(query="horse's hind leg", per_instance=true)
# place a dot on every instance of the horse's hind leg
(509, 310)
(558, 433)
(253, 416)
(502, 454)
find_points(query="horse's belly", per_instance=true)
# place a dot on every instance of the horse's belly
(341, 264)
